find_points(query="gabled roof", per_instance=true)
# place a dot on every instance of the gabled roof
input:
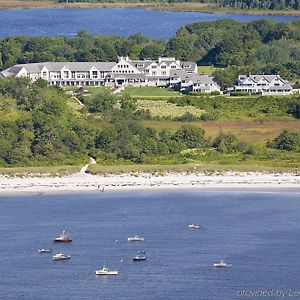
(257, 78)
(57, 66)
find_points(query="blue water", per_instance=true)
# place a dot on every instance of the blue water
(112, 21)
(257, 232)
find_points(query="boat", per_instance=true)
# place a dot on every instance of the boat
(194, 226)
(222, 264)
(141, 252)
(61, 256)
(63, 238)
(45, 250)
(135, 238)
(106, 271)
(139, 258)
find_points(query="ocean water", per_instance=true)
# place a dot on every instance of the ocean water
(112, 21)
(257, 232)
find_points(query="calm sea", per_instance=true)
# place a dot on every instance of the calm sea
(112, 21)
(257, 232)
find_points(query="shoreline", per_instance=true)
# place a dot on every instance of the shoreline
(178, 7)
(85, 183)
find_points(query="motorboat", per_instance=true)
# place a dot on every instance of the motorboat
(139, 258)
(141, 252)
(61, 256)
(45, 250)
(63, 238)
(135, 238)
(194, 226)
(222, 264)
(106, 271)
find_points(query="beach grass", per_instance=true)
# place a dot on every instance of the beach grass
(40, 171)
(208, 168)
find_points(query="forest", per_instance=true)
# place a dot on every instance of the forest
(232, 47)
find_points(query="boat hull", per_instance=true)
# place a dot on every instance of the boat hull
(65, 258)
(61, 241)
(101, 273)
(139, 259)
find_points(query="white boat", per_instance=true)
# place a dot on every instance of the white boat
(63, 238)
(139, 258)
(135, 238)
(106, 271)
(45, 250)
(194, 226)
(61, 256)
(222, 264)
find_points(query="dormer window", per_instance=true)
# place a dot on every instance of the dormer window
(153, 67)
(140, 65)
(173, 67)
(163, 67)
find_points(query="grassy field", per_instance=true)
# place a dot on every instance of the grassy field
(160, 108)
(36, 171)
(252, 132)
(150, 91)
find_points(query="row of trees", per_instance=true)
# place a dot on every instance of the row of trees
(258, 4)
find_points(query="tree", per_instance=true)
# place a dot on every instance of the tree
(192, 137)
(104, 101)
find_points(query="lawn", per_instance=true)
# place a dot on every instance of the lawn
(206, 70)
(150, 91)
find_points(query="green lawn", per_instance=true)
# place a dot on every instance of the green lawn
(206, 70)
(150, 91)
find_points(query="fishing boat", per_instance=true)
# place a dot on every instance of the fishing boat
(135, 238)
(63, 238)
(221, 264)
(139, 258)
(45, 250)
(61, 256)
(194, 226)
(106, 271)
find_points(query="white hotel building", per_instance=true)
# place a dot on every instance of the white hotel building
(162, 72)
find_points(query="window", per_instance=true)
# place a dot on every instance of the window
(164, 73)
(94, 74)
(163, 67)
(153, 67)
(173, 67)
(73, 74)
(66, 74)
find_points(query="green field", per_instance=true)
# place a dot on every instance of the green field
(150, 91)
(206, 70)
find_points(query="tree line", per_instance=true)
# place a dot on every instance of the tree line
(241, 4)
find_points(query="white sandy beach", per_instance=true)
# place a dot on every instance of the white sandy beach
(83, 182)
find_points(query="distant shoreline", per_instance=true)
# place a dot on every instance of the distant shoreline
(180, 7)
